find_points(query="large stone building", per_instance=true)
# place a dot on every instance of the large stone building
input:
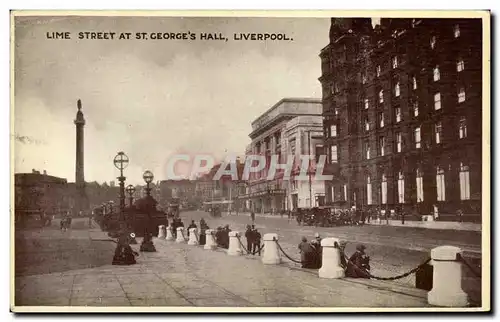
(403, 113)
(291, 127)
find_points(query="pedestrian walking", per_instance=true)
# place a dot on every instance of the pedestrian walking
(305, 252)
(460, 215)
(252, 216)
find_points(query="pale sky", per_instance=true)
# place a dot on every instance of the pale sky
(154, 98)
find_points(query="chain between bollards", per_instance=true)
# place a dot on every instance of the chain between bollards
(464, 261)
(286, 255)
(246, 250)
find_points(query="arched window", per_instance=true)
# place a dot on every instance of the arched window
(384, 189)
(401, 187)
(368, 190)
(440, 184)
(420, 186)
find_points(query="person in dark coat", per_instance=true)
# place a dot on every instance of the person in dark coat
(256, 241)
(203, 229)
(315, 254)
(249, 237)
(305, 252)
(359, 264)
(225, 236)
(192, 225)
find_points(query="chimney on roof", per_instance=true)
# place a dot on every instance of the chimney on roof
(44, 172)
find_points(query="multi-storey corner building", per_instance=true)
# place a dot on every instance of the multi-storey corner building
(403, 113)
(293, 126)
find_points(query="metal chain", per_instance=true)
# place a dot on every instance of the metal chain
(473, 270)
(246, 250)
(388, 278)
(286, 255)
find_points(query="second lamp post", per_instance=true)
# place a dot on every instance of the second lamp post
(147, 243)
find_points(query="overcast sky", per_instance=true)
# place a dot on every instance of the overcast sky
(154, 98)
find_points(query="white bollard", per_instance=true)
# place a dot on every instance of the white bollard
(170, 234)
(210, 242)
(447, 278)
(330, 267)
(161, 232)
(234, 244)
(193, 237)
(271, 254)
(180, 235)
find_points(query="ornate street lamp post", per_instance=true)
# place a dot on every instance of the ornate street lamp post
(130, 190)
(147, 243)
(121, 162)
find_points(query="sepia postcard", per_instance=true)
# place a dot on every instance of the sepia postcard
(250, 161)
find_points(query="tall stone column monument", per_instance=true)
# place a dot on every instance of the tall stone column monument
(81, 201)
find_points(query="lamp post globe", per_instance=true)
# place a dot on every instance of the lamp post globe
(121, 161)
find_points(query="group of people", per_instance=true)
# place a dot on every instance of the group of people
(356, 266)
(65, 221)
(311, 253)
(253, 237)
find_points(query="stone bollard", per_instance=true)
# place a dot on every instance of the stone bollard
(170, 235)
(210, 243)
(161, 232)
(271, 254)
(234, 244)
(180, 235)
(193, 237)
(447, 278)
(331, 259)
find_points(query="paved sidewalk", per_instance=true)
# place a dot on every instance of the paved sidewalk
(185, 276)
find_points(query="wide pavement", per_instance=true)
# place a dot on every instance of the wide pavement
(393, 250)
(188, 276)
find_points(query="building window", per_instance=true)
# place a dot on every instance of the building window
(461, 95)
(381, 119)
(367, 103)
(401, 187)
(398, 114)
(462, 128)
(415, 108)
(437, 74)
(395, 62)
(344, 187)
(440, 184)
(364, 78)
(414, 82)
(367, 150)
(336, 111)
(333, 130)
(333, 154)
(367, 124)
(381, 96)
(437, 132)
(433, 42)
(417, 137)
(368, 190)
(437, 101)
(379, 70)
(420, 186)
(399, 142)
(381, 146)
(335, 88)
(384, 189)
(460, 65)
(456, 31)
(396, 90)
(464, 182)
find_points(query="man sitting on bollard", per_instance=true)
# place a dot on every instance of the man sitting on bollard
(256, 236)
(358, 265)
(305, 253)
(192, 225)
(249, 237)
